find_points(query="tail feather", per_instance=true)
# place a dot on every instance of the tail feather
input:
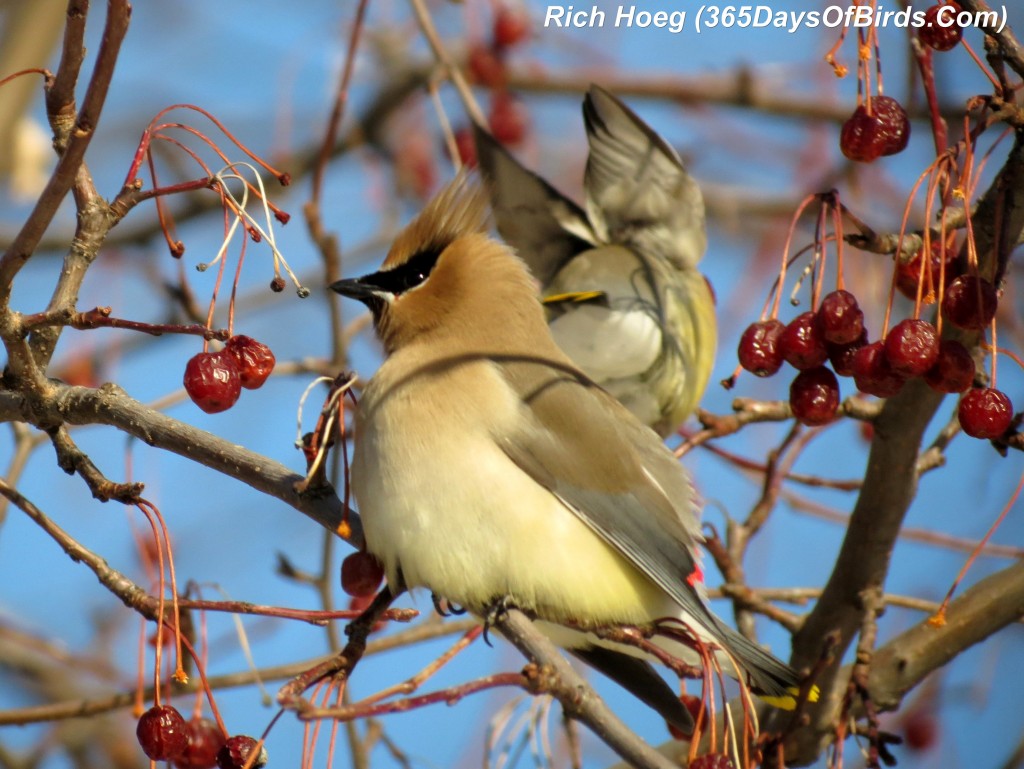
(769, 677)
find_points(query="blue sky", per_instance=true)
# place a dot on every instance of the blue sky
(267, 70)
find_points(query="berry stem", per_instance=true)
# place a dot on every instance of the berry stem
(785, 253)
(924, 55)
(995, 346)
(837, 229)
(987, 72)
(179, 672)
(161, 592)
(939, 618)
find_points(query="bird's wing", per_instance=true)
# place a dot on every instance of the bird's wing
(612, 471)
(638, 192)
(624, 484)
(544, 227)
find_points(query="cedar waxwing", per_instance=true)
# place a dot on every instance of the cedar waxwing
(489, 469)
(625, 299)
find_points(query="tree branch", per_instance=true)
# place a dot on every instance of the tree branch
(578, 699)
(109, 405)
(64, 175)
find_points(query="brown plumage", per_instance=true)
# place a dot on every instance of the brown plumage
(488, 467)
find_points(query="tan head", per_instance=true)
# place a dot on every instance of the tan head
(443, 273)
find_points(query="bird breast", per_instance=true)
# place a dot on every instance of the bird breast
(446, 509)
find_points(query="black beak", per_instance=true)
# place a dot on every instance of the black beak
(355, 288)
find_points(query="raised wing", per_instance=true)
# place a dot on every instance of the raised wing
(544, 227)
(638, 192)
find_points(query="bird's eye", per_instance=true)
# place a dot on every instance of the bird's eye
(412, 279)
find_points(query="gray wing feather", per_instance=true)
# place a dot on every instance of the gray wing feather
(638, 192)
(644, 507)
(545, 227)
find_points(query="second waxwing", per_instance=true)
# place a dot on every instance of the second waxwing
(491, 471)
(619, 276)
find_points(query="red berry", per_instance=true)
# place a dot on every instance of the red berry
(465, 145)
(941, 30)
(162, 733)
(511, 26)
(485, 66)
(802, 343)
(909, 272)
(814, 396)
(912, 347)
(985, 412)
(205, 740)
(970, 302)
(361, 574)
(255, 360)
(872, 372)
(212, 381)
(712, 761)
(236, 752)
(841, 355)
(953, 371)
(920, 730)
(759, 351)
(508, 118)
(885, 131)
(840, 318)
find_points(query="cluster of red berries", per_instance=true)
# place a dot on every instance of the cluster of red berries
(487, 66)
(196, 744)
(214, 380)
(835, 334)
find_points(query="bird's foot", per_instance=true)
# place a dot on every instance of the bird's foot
(446, 608)
(498, 607)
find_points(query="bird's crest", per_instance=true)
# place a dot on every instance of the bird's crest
(459, 209)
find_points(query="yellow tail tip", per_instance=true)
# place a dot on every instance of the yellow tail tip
(788, 702)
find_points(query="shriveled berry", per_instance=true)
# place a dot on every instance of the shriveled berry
(759, 350)
(361, 574)
(868, 135)
(802, 343)
(970, 302)
(511, 26)
(212, 381)
(872, 372)
(953, 371)
(508, 118)
(236, 752)
(985, 412)
(912, 346)
(841, 355)
(840, 318)
(941, 30)
(205, 740)
(486, 66)
(162, 733)
(255, 360)
(917, 270)
(814, 396)
(712, 761)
